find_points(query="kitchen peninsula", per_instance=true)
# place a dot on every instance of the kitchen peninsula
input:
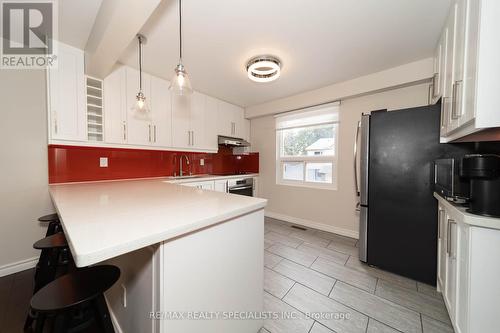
(180, 249)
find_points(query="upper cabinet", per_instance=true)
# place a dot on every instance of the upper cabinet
(470, 65)
(66, 96)
(231, 121)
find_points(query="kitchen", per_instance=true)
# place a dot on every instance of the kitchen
(223, 167)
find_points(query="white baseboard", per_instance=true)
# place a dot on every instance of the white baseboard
(19, 266)
(313, 224)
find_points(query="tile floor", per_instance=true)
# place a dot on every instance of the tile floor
(318, 273)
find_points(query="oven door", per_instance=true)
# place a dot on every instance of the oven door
(242, 190)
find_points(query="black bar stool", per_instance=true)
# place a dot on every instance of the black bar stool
(54, 223)
(55, 260)
(75, 301)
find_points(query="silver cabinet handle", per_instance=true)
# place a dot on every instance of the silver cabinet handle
(192, 138)
(189, 138)
(55, 122)
(149, 126)
(448, 232)
(124, 131)
(429, 94)
(440, 220)
(454, 105)
(443, 118)
(434, 84)
(154, 133)
(356, 138)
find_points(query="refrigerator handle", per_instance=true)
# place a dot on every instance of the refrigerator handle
(356, 138)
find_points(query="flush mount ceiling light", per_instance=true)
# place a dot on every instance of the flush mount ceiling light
(264, 68)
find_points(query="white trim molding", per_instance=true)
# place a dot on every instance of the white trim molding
(313, 224)
(18, 266)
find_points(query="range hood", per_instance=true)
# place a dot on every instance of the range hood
(233, 142)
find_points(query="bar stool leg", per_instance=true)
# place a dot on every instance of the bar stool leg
(40, 322)
(61, 323)
(102, 314)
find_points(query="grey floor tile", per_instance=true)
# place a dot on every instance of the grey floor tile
(435, 326)
(412, 299)
(308, 277)
(428, 290)
(311, 238)
(318, 328)
(267, 244)
(385, 311)
(296, 324)
(309, 301)
(5, 290)
(263, 330)
(331, 255)
(276, 284)
(271, 260)
(346, 274)
(270, 220)
(293, 254)
(282, 239)
(280, 229)
(344, 248)
(376, 272)
(377, 327)
(338, 238)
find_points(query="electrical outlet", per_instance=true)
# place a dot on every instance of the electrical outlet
(103, 162)
(202, 161)
(124, 295)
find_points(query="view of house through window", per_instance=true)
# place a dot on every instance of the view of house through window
(306, 147)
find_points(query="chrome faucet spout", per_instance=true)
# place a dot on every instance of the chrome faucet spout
(180, 164)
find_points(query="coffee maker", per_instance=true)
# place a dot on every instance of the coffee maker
(483, 172)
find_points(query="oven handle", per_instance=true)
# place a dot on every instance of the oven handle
(240, 188)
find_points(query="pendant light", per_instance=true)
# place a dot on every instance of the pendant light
(140, 106)
(180, 83)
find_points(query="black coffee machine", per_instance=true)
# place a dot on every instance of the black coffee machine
(483, 170)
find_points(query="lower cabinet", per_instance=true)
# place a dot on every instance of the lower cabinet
(468, 271)
(220, 185)
(208, 185)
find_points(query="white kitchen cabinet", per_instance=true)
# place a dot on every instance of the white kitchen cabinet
(161, 107)
(66, 96)
(115, 114)
(232, 122)
(467, 272)
(439, 68)
(476, 64)
(446, 101)
(220, 185)
(207, 185)
(193, 122)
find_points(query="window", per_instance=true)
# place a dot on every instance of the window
(307, 142)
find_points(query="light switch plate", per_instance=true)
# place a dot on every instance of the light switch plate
(202, 161)
(103, 162)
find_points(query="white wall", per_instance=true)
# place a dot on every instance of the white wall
(23, 174)
(325, 209)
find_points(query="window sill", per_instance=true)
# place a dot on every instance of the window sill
(315, 186)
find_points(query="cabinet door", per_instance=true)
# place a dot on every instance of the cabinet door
(239, 120)
(442, 255)
(161, 107)
(450, 294)
(66, 96)
(181, 114)
(115, 114)
(197, 120)
(470, 60)
(463, 257)
(437, 76)
(225, 119)
(210, 140)
(139, 131)
(220, 185)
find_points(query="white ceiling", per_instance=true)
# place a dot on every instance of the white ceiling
(320, 42)
(76, 19)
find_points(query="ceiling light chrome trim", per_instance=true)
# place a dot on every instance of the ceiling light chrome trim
(263, 68)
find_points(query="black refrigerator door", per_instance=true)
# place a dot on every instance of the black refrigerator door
(402, 213)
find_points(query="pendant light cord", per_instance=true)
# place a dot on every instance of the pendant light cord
(140, 62)
(180, 31)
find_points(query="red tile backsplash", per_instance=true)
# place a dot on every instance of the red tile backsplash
(77, 163)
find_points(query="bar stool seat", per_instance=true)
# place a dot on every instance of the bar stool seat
(55, 241)
(49, 218)
(78, 292)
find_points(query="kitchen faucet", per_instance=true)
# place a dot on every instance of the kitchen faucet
(180, 165)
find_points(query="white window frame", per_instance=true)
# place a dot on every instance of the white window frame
(305, 159)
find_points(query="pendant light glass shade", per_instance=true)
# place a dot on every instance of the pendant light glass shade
(180, 83)
(140, 107)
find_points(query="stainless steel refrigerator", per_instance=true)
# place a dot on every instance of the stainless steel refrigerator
(397, 212)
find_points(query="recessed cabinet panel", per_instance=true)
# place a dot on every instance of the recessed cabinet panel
(181, 116)
(139, 131)
(115, 115)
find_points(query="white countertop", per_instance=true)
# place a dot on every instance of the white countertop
(202, 178)
(103, 220)
(460, 214)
